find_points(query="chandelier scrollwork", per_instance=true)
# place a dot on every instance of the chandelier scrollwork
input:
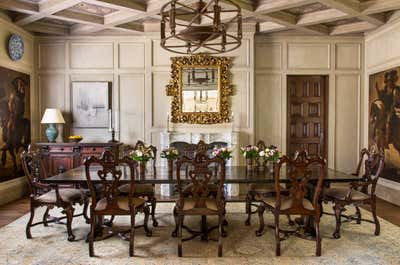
(205, 26)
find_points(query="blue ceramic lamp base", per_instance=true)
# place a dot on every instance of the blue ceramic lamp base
(51, 132)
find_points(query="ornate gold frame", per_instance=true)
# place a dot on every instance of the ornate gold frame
(174, 89)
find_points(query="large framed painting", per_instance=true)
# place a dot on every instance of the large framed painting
(15, 121)
(384, 118)
(90, 104)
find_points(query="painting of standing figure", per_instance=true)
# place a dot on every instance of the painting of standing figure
(15, 126)
(384, 118)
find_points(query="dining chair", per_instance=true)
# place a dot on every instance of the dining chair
(358, 193)
(199, 202)
(146, 191)
(49, 195)
(300, 171)
(108, 201)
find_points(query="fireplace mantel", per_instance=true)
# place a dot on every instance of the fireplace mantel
(193, 133)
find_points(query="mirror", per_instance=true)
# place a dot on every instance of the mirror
(200, 89)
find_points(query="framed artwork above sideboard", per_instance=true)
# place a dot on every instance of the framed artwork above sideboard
(90, 104)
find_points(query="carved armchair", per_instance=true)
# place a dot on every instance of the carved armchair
(142, 190)
(300, 173)
(49, 195)
(198, 201)
(358, 193)
(108, 200)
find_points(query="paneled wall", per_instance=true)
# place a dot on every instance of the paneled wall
(139, 70)
(381, 52)
(341, 59)
(13, 189)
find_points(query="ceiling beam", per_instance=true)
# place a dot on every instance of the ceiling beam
(243, 4)
(352, 28)
(352, 8)
(270, 27)
(87, 29)
(322, 16)
(67, 15)
(45, 9)
(127, 16)
(118, 4)
(19, 6)
(376, 6)
(268, 6)
(48, 28)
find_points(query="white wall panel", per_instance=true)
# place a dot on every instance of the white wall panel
(91, 55)
(268, 56)
(308, 55)
(51, 55)
(347, 111)
(52, 91)
(131, 90)
(160, 101)
(268, 107)
(131, 55)
(348, 56)
(240, 100)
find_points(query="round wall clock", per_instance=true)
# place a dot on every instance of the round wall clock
(15, 47)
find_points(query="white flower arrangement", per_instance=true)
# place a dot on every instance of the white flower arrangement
(170, 153)
(223, 152)
(250, 151)
(142, 154)
(271, 153)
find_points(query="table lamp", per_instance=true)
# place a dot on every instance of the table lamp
(52, 117)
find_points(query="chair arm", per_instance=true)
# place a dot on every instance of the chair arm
(56, 189)
(354, 186)
(359, 184)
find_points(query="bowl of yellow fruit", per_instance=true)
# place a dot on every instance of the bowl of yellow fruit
(75, 138)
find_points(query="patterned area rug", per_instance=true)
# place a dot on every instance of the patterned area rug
(49, 245)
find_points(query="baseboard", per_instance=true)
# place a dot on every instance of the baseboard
(388, 190)
(13, 190)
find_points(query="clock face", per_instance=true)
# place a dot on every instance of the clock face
(15, 47)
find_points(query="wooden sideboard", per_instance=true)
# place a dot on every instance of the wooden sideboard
(60, 157)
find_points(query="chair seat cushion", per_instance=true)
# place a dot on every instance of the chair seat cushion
(139, 188)
(122, 202)
(67, 195)
(340, 194)
(189, 204)
(286, 202)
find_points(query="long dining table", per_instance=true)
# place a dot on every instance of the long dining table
(233, 175)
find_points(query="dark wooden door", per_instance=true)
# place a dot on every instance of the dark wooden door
(307, 121)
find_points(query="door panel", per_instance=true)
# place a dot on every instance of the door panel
(307, 116)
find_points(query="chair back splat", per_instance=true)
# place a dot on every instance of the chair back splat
(202, 171)
(301, 170)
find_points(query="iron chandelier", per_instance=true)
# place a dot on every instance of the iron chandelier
(205, 26)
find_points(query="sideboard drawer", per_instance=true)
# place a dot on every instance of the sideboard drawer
(92, 150)
(60, 149)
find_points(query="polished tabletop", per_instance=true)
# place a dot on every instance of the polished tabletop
(159, 175)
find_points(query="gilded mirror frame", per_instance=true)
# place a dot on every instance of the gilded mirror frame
(225, 91)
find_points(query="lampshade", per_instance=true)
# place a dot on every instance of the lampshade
(52, 116)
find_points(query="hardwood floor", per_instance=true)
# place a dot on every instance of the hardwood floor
(16, 209)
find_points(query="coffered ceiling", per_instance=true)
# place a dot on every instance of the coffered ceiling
(82, 17)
